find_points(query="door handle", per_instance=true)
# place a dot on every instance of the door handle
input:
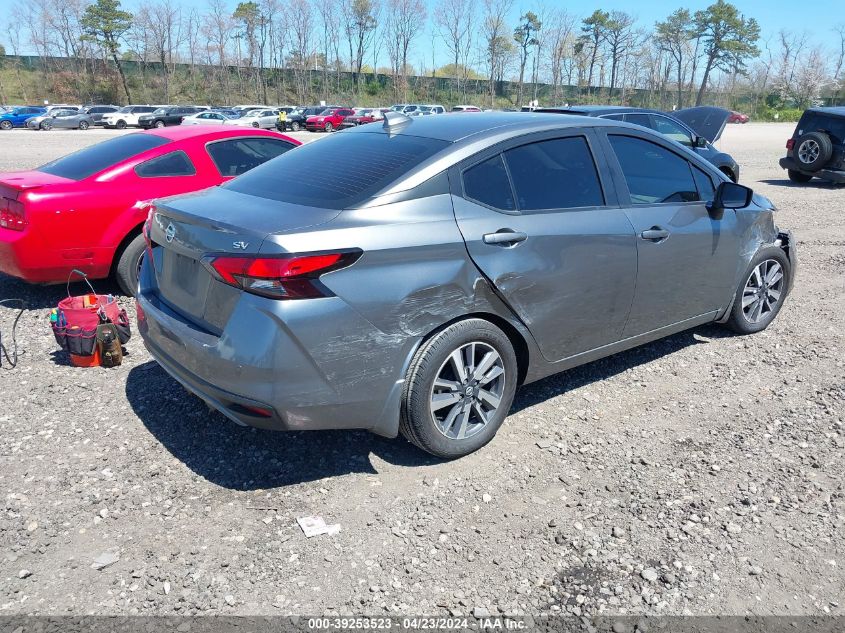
(655, 234)
(505, 237)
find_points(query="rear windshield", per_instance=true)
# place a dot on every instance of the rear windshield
(96, 158)
(337, 172)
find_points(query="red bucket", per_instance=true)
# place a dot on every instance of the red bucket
(82, 311)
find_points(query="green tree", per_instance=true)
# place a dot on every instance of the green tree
(104, 23)
(673, 36)
(525, 35)
(729, 38)
(594, 33)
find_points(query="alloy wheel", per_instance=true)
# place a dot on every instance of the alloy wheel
(763, 290)
(467, 391)
(809, 151)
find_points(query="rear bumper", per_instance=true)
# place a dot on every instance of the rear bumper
(825, 174)
(315, 367)
(23, 254)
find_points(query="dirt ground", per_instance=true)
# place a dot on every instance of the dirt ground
(701, 474)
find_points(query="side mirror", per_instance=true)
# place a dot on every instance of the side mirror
(730, 195)
(700, 141)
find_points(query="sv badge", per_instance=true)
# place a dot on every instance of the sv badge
(240, 245)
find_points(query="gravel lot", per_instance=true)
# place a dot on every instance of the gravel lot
(702, 474)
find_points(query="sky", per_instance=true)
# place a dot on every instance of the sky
(816, 17)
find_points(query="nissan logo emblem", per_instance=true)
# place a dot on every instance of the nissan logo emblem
(170, 232)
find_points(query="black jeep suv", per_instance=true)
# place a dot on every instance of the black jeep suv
(817, 147)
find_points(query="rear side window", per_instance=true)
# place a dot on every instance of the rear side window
(488, 184)
(237, 156)
(638, 119)
(653, 174)
(817, 121)
(96, 158)
(172, 164)
(555, 174)
(339, 171)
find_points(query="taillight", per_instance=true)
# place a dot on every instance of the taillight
(282, 277)
(145, 231)
(12, 215)
(790, 143)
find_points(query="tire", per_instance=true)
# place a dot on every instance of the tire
(83, 125)
(159, 124)
(757, 288)
(120, 125)
(329, 127)
(457, 428)
(46, 125)
(294, 127)
(813, 150)
(5, 125)
(797, 176)
(126, 269)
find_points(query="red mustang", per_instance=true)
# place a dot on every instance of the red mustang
(86, 210)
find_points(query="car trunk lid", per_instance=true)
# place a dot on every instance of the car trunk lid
(187, 229)
(706, 121)
(13, 202)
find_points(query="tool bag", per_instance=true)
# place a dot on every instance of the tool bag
(76, 319)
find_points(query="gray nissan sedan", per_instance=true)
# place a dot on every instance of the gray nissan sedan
(410, 276)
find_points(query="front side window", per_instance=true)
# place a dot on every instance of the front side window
(653, 174)
(667, 127)
(237, 156)
(555, 174)
(172, 164)
(488, 184)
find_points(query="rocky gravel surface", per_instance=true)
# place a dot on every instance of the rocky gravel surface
(701, 474)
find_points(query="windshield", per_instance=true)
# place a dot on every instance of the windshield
(96, 158)
(361, 164)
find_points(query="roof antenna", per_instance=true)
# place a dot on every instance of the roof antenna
(395, 121)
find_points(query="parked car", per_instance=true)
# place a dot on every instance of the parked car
(738, 117)
(84, 211)
(296, 118)
(127, 116)
(96, 112)
(696, 128)
(63, 119)
(466, 108)
(264, 119)
(243, 109)
(206, 118)
(365, 116)
(61, 106)
(17, 117)
(436, 108)
(171, 115)
(817, 146)
(457, 258)
(328, 120)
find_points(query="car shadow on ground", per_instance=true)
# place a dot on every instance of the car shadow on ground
(40, 296)
(241, 458)
(815, 183)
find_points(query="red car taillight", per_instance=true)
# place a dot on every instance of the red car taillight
(12, 215)
(790, 144)
(285, 277)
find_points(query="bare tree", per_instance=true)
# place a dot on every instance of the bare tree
(453, 20)
(494, 29)
(560, 46)
(405, 21)
(301, 51)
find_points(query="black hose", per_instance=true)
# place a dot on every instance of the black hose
(12, 359)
